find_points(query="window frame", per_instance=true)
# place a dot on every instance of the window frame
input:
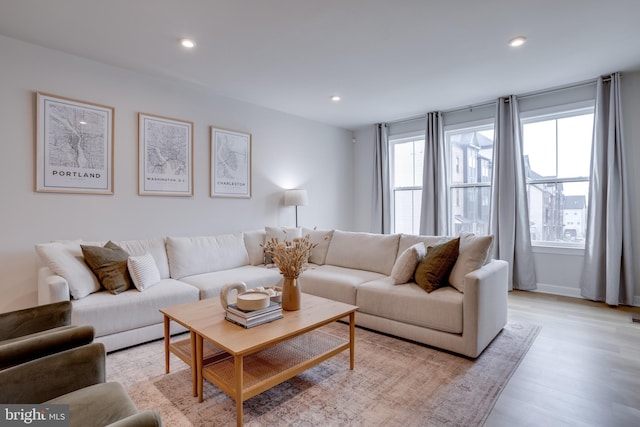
(556, 112)
(393, 140)
(476, 126)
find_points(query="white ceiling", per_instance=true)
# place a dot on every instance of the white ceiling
(387, 59)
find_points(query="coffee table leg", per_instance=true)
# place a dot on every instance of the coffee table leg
(239, 371)
(167, 335)
(194, 363)
(352, 342)
(199, 365)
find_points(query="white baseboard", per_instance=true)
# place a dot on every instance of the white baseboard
(564, 291)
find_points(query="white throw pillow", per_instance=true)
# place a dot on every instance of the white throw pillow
(407, 262)
(143, 271)
(66, 260)
(322, 238)
(253, 241)
(474, 253)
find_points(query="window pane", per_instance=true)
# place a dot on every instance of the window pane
(575, 135)
(403, 164)
(408, 158)
(407, 205)
(418, 161)
(539, 148)
(558, 211)
(470, 210)
(558, 147)
(470, 155)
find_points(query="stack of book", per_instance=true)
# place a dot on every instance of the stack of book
(249, 319)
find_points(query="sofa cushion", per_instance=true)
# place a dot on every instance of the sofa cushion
(363, 251)
(156, 247)
(253, 241)
(474, 253)
(144, 271)
(407, 262)
(132, 309)
(322, 238)
(109, 264)
(408, 303)
(209, 284)
(433, 271)
(204, 254)
(336, 283)
(66, 260)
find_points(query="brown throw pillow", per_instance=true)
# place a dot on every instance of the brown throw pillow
(432, 272)
(109, 264)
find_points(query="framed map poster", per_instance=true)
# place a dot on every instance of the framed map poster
(230, 163)
(74, 146)
(165, 156)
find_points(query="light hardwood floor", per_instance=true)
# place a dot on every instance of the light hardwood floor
(582, 370)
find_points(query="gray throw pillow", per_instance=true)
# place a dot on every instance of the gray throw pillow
(109, 264)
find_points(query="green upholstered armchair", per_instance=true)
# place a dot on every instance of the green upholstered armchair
(75, 377)
(39, 331)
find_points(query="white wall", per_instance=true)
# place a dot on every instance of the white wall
(557, 270)
(288, 152)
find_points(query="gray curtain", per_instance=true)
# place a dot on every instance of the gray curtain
(509, 209)
(433, 217)
(607, 274)
(381, 209)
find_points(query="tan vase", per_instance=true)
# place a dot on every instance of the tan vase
(291, 294)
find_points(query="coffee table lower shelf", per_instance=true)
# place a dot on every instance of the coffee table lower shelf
(269, 367)
(183, 349)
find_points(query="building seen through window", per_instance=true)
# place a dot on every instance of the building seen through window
(556, 157)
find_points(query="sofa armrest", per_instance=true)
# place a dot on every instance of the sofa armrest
(485, 304)
(51, 376)
(141, 419)
(33, 346)
(30, 320)
(51, 287)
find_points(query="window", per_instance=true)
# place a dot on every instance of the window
(471, 152)
(407, 159)
(557, 155)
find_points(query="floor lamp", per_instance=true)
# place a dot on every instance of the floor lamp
(296, 198)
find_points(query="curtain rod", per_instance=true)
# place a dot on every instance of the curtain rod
(488, 103)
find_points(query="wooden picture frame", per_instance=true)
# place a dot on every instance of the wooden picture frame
(165, 156)
(74, 145)
(230, 163)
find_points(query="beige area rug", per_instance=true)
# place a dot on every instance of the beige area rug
(395, 383)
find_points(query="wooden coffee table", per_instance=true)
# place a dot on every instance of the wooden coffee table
(245, 362)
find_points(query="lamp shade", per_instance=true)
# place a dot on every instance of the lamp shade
(296, 198)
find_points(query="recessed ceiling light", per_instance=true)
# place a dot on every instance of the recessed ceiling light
(517, 41)
(335, 98)
(188, 43)
(83, 122)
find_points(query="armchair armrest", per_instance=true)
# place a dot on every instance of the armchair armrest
(51, 287)
(51, 376)
(23, 349)
(34, 319)
(141, 419)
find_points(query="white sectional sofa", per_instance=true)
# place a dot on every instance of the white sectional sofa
(345, 266)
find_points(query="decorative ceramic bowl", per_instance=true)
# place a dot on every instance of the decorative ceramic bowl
(253, 300)
(275, 293)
